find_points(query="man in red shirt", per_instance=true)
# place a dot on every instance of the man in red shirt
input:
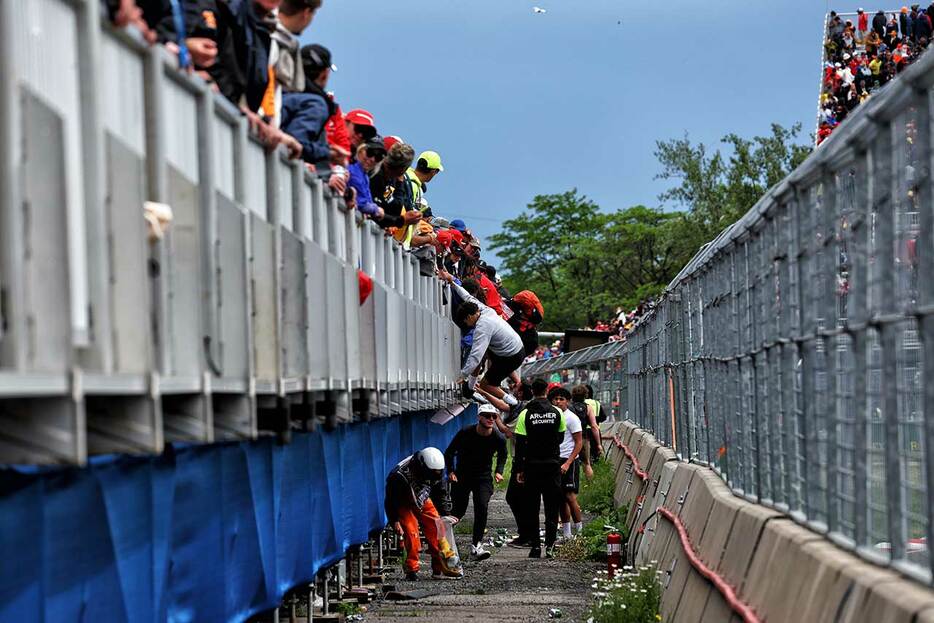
(493, 299)
(862, 25)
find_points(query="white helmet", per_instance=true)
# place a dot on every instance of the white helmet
(431, 458)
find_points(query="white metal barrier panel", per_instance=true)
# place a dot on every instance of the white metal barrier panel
(243, 308)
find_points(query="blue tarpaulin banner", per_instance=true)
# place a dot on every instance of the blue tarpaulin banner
(201, 533)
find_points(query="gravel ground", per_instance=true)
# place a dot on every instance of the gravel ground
(506, 587)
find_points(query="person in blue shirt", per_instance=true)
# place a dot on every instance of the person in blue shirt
(369, 154)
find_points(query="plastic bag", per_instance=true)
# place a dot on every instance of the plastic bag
(448, 545)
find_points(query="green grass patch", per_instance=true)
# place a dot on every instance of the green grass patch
(590, 544)
(633, 596)
(348, 608)
(596, 498)
(596, 495)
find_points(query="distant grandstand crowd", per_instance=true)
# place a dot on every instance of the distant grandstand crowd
(863, 53)
(619, 327)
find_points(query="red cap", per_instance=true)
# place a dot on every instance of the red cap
(358, 116)
(391, 140)
(552, 386)
(456, 236)
(444, 238)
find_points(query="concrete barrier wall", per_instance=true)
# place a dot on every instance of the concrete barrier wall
(781, 570)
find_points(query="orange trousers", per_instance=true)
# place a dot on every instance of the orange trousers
(410, 518)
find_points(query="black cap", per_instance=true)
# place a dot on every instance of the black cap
(376, 144)
(316, 57)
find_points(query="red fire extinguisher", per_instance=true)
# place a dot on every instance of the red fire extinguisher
(614, 548)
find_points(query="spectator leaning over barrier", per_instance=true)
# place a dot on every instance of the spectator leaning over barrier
(493, 299)
(492, 337)
(361, 127)
(243, 40)
(469, 460)
(369, 155)
(241, 71)
(338, 138)
(156, 14)
(414, 496)
(286, 70)
(539, 432)
(125, 13)
(391, 191)
(304, 113)
(569, 452)
(201, 37)
(427, 166)
(454, 259)
(156, 19)
(472, 247)
(525, 313)
(318, 66)
(228, 44)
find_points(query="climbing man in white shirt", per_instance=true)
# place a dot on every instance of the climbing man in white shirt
(493, 337)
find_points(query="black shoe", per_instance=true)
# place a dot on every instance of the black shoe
(535, 552)
(411, 576)
(518, 543)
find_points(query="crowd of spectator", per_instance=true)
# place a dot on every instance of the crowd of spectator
(619, 327)
(248, 51)
(864, 56)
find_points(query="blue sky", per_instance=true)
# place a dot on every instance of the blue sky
(520, 104)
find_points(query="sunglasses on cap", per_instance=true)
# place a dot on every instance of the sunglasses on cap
(375, 154)
(366, 131)
(487, 415)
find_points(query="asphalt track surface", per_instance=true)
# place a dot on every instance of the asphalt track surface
(506, 587)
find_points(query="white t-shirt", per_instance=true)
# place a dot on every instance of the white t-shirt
(573, 424)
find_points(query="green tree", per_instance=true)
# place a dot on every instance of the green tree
(715, 189)
(583, 262)
(644, 248)
(536, 248)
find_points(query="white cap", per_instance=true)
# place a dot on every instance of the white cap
(487, 408)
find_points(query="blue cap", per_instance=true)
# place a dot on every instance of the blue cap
(459, 225)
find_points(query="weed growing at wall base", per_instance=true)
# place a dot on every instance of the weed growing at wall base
(596, 495)
(633, 596)
(596, 498)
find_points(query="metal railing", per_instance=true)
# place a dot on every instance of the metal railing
(792, 353)
(110, 343)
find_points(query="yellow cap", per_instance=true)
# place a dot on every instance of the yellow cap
(432, 160)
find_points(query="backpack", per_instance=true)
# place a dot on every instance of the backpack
(580, 410)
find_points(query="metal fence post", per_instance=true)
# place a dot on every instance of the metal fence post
(926, 301)
(882, 200)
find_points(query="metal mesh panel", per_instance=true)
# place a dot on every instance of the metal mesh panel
(790, 354)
